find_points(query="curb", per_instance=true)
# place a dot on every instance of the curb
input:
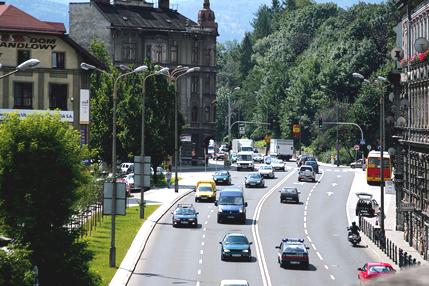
(129, 263)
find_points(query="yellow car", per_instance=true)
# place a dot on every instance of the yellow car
(205, 190)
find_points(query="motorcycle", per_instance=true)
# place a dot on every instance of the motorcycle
(354, 239)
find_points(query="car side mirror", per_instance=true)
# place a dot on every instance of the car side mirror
(360, 269)
(220, 242)
(245, 178)
(277, 247)
(245, 204)
(197, 213)
(299, 192)
(215, 203)
(307, 247)
(250, 242)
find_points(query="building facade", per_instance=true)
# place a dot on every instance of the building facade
(412, 128)
(57, 83)
(134, 31)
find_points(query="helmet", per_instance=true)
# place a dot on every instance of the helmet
(353, 223)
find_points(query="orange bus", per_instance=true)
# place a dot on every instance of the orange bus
(373, 167)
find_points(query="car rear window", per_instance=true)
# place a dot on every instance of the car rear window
(294, 249)
(380, 269)
(289, 191)
(306, 169)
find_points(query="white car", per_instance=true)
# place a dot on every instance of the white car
(258, 158)
(306, 173)
(266, 171)
(278, 164)
(234, 283)
(125, 167)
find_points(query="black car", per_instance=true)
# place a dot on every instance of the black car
(222, 177)
(254, 180)
(313, 164)
(366, 205)
(289, 195)
(292, 252)
(235, 245)
(185, 215)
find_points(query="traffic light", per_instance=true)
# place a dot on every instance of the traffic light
(320, 122)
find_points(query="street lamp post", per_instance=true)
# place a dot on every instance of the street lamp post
(29, 64)
(85, 66)
(337, 146)
(380, 79)
(229, 113)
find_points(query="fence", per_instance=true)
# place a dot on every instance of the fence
(396, 254)
(87, 220)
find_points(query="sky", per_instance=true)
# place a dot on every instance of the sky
(233, 16)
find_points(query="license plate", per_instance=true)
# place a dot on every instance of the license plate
(294, 262)
(230, 216)
(185, 222)
(252, 184)
(236, 255)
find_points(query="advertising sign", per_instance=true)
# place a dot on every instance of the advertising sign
(84, 106)
(22, 113)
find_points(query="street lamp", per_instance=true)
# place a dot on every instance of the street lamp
(337, 146)
(229, 112)
(380, 79)
(85, 66)
(175, 75)
(29, 64)
(142, 150)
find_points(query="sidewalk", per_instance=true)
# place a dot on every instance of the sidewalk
(165, 198)
(397, 237)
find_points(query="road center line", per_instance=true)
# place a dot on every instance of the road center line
(320, 256)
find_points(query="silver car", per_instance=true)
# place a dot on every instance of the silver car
(266, 171)
(306, 173)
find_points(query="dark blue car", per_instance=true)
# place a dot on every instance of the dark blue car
(235, 245)
(231, 206)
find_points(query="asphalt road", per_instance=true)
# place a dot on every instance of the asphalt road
(183, 256)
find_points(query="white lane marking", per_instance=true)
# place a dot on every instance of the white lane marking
(206, 222)
(305, 213)
(309, 239)
(306, 232)
(199, 272)
(211, 211)
(204, 229)
(209, 215)
(305, 225)
(329, 193)
(332, 277)
(202, 243)
(314, 247)
(204, 236)
(320, 256)
(200, 261)
(201, 252)
(305, 218)
(305, 207)
(334, 184)
(198, 283)
(338, 176)
(266, 280)
(326, 267)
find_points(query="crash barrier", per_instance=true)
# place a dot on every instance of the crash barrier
(396, 254)
(87, 219)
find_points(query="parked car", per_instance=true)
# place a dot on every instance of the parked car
(373, 270)
(313, 164)
(306, 173)
(366, 205)
(235, 245)
(289, 194)
(222, 177)
(267, 171)
(129, 181)
(126, 168)
(254, 180)
(278, 164)
(185, 215)
(358, 164)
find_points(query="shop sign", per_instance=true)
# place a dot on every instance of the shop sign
(26, 42)
(22, 113)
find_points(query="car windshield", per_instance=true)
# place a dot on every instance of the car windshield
(380, 269)
(230, 200)
(245, 157)
(289, 190)
(247, 149)
(294, 248)
(255, 176)
(185, 211)
(235, 239)
(221, 173)
(205, 189)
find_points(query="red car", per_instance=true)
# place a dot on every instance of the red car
(373, 270)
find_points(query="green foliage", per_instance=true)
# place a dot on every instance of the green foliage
(15, 267)
(40, 172)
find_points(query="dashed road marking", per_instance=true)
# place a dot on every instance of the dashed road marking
(206, 222)
(326, 267)
(305, 213)
(199, 272)
(201, 252)
(320, 256)
(306, 232)
(202, 243)
(305, 225)
(211, 211)
(200, 261)
(332, 277)
(314, 247)
(208, 216)
(204, 229)
(204, 236)
(309, 239)
(198, 283)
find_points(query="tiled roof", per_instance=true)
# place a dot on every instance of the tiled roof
(14, 19)
(147, 18)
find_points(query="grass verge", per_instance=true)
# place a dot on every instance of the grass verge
(99, 243)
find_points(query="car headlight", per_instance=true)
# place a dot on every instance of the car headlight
(245, 250)
(226, 250)
(220, 210)
(241, 210)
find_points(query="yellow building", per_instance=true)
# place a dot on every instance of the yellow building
(56, 83)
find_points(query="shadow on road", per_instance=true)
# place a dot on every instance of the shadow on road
(311, 267)
(178, 280)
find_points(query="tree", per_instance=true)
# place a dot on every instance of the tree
(15, 267)
(40, 171)
(262, 22)
(246, 55)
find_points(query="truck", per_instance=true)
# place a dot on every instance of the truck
(242, 145)
(283, 148)
(245, 161)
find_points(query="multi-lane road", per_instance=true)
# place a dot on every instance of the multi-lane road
(183, 256)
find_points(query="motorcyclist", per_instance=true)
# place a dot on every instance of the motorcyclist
(354, 229)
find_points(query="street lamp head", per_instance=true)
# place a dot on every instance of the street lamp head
(358, 75)
(323, 86)
(195, 69)
(29, 64)
(87, 67)
(0, 66)
(381, 78)
(140, 69)
(163, 71)
(124, 67)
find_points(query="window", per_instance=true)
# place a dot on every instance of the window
(194, 84)
(174, 53)
(194, 114)
(207, 82)
(23, 55)
(129, 52)
(58, 96)
(23, 95)
(149, 51)
(195, 53)
(207, 113)
(208, 56)
(58, 60)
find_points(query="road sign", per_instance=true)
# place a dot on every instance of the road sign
(406, 207)
(356, 147)
(368, 147)
(185, 138)
(362, 142)
(241, 130)
(296, 129)
(120, 198)
(337, 147)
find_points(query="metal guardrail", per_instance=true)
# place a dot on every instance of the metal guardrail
(396, 254)
(87, 219)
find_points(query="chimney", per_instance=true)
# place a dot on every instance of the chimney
(164, 4)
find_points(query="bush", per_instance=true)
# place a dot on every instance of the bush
(15, 267)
